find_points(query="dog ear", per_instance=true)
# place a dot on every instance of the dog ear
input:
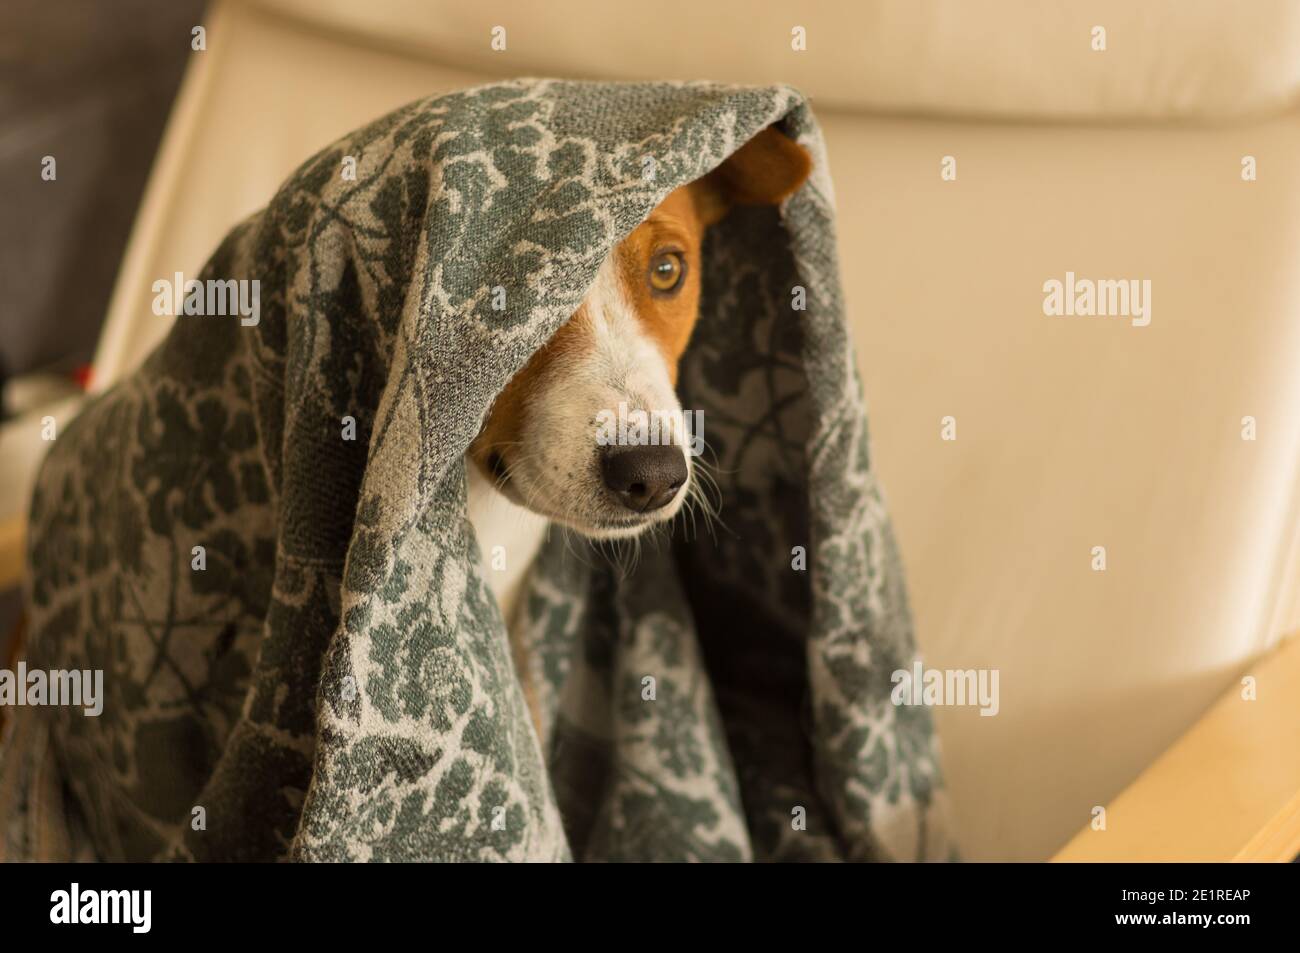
(766, 170)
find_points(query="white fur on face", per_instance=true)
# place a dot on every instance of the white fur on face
(555, 470)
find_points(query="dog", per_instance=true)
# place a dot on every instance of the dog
(538, 460)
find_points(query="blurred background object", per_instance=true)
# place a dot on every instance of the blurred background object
(90, 84)
(1123, 162)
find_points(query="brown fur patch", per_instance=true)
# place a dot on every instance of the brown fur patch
(675, 226)
(766, 170)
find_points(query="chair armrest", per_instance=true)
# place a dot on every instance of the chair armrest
(13, 537)
(1228, 789)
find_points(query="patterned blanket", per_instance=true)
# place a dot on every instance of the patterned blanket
(261, 540)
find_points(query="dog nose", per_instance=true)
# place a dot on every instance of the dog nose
(644, 478)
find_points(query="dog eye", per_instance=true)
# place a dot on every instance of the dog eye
(667, 269)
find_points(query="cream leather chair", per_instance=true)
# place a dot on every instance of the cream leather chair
(1071, 432)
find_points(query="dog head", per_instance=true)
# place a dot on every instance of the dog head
(590, 432)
